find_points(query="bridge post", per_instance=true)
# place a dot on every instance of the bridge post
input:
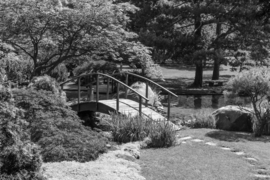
(140, 106)
(79, 93)
(146, 92)
(117, 99)
(126, 90)
(97, 91)
(169, 107)
(108, 85)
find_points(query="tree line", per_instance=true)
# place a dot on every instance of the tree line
(39, 36)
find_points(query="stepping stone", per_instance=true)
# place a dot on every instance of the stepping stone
(185, 138)
(262, 176)
(226, 148)
(240, 153)
(197, 140)
(211, 144)
(251, 159)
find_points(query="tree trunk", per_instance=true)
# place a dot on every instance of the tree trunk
(216, 69)
(198, 75)
(218, 54)
(199, 60)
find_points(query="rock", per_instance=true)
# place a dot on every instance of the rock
(233, 118)
(132, 149)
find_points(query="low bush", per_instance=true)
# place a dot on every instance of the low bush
(47, 83)
(57, 129)
(128, 129)
(19, 157)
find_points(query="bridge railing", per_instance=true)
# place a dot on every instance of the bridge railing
(148, 81)
(109, 78)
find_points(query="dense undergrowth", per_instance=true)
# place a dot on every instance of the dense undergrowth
(37, 126)
(20, 159)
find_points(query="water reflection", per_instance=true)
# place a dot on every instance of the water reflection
(205, 101)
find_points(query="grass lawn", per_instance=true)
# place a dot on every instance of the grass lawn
(176, 72)
(196, 160)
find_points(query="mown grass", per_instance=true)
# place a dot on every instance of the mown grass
(198, 161)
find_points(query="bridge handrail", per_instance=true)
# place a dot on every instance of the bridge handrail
(97, 90)
(80, 76)
(156, 84)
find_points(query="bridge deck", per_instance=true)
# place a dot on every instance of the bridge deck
(130, 107)
(126, 106)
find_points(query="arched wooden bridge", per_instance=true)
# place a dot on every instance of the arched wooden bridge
(119, 105)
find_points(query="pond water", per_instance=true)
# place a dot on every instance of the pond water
(182, 101)
(204, 101)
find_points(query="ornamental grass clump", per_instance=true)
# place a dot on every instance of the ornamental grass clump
(162, 134)
(19, 157)
(128, 129)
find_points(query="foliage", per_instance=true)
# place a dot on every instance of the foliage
(5, 94)
(127, 129)
(57, 129)
(60, 73)
(194, 32)
(19, 158)
(88, 67)
(162, 134)
(47, 83)
(200, 119)
(256, 85)
(50, 33)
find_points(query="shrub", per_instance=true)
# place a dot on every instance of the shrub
(162, 135)
(47, 83)
(127, 129)
(58, 129)
(60, 73)
(256, 85)
(19, 158)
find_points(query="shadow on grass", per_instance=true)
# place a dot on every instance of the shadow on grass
(236, 136)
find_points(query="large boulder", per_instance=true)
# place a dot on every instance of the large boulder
(233, 118)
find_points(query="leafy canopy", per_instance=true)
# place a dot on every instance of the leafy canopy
(49, 32)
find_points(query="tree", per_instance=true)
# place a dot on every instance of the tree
(50, 33)
(195, 31)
